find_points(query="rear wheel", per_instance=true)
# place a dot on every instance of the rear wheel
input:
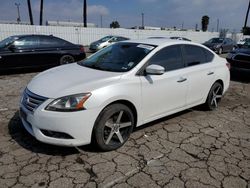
(113, 127)
(214, 96)
(66, 59)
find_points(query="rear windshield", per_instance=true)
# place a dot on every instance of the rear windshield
(216, 40)
(120, 57)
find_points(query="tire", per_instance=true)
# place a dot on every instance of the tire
(214, 96)
(65, 59)
(220, 51)
(113, 127)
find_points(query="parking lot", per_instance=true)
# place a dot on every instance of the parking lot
(194, 148)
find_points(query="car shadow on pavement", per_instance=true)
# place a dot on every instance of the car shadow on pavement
(240, 76)
(25, 140)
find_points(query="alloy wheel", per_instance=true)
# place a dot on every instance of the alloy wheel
(216, 96)
(117, 128)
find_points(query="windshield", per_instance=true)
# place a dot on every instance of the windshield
(7, 41)
(120, 57)
(104, 39)
(216, 40)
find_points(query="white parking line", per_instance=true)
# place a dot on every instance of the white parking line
(3, 109)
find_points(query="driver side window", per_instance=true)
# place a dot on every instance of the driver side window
(170, 58)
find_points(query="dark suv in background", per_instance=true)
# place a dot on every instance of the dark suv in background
(25, 51)
(220, 45)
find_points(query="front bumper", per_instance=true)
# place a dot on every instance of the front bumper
(78, 125)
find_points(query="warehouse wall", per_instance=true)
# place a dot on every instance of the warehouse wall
(85, 36)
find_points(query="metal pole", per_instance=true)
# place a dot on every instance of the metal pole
(30, 12)
(218, 22)
(18, 13)
(41, 13)
(85, 13)
(101, 20)
(142, 20)
(247, 15)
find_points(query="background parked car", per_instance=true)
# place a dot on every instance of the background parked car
(242, 41)
(105, 41)
(25, 51)
(180, 38)
(220, 45)
(240, 57)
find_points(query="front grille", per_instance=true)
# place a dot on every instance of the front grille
(31, 101)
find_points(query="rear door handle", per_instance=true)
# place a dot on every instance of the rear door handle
(210, 73)
(182, 80)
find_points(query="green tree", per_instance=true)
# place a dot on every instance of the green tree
(204, 23)
(115, 24)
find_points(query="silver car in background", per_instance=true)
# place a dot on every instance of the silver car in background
(105, 41)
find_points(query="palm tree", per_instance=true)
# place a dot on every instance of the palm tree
(30, 12)
(204, 22)
(41, 13)
(85, 13)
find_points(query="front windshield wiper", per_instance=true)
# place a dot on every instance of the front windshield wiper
(97, 67)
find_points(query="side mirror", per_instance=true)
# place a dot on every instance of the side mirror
(12, 47)
(155, 70)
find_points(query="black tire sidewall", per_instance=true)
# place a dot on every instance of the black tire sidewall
(210, 96)
(98, 131)
(66, 56)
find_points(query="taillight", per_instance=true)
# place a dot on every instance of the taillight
(228, 65)
(82, 49)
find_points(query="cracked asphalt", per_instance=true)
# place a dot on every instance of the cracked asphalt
(194, 148)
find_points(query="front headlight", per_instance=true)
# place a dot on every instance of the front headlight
(69, 103)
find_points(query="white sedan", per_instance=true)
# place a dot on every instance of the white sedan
(125, 85)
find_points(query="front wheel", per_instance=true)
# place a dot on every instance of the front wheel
(214, 96)
(113, 127)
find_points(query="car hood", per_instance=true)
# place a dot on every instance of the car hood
(70, 79)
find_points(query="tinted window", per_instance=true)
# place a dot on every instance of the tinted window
(7, 41)
(121, 39)
(216, 40)
(209, 55)
(51, 41)
(27, 42)
(170, 58)
(194, 55)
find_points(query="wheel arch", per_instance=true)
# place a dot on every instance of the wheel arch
(125, 102)
(221, 82)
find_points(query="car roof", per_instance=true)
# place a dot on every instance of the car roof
(28, 35)
(161, 42)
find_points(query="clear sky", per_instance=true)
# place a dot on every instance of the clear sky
(159, 13)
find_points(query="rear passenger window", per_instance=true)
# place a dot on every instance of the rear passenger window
(51, 41)
(194, 55)
(209, 56)
(170, 58)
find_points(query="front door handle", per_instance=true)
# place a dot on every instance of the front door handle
(182, 80)
(210, 73)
